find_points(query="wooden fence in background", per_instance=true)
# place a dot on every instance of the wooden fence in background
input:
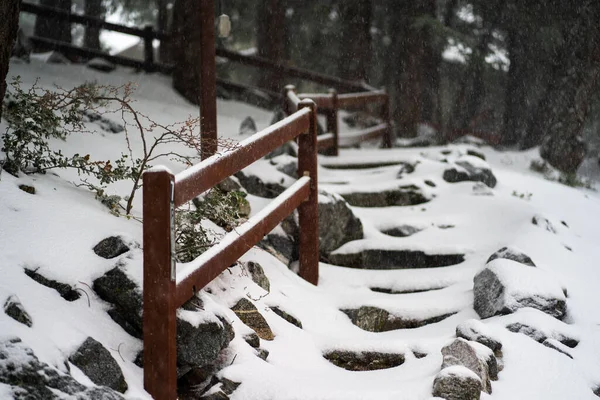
(331, 103)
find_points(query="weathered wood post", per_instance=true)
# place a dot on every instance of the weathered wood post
(308, 212)
(159, 321)
(332, 122)
(208, 80)
(148, 48)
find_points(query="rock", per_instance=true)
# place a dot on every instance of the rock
(97, 364)
(118, 289)
(281, 246)
(360, 120)
(394, 259)
(337, 223)
(14, 309)
(544, 223)
(289, 318)
(502, 288)
(221, 390)
(477, 331)
(258, 275)
(23, 373)
(469, 168)
(527, 330)
(196, 381)
(111, 247)
(470, 139)
(110, 126)
(462, 352)
(512, 254)
(286, 164)
(100, 64)
(262, 353)
(407, 195)
(249, 315)
(253, 340)
(364, 360)
(228, 185)
(64, 290)
(255, 186)
(564, 152)
(406, 168)
(289, 148)
(475, 153)
(419, 141)
(402, 231)
(457, 383)
(248, 126)
(481, 189)
(197, 345)
(27, 189)
(556, 345)
(373, 319)
(541, 336)
(55, 57)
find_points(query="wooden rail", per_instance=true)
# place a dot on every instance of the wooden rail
(330, 104)
(167, 287)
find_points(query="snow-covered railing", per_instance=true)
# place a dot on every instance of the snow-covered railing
(165, 288)
(330, 104)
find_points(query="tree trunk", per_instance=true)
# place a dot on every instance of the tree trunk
(407, 55)
(9, 14)
(431, 60)
(50, 28)
(186, 42)
(272, 40)
(355, 39)
(517, 108)
(560, 117)
(163, 26)
(91, 38)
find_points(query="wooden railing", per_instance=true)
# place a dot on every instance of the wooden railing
(167, 287)
(329, 104)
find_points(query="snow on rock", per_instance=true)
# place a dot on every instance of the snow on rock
(457, 383)
(505, 286)
(480, 360)
(25, 376)
(96, 362)
(477, 331)
(337, 223)
(510, 253)
(470, 168)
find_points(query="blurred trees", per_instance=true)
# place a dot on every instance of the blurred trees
(9, 14)
(50, 28)
(521, 71)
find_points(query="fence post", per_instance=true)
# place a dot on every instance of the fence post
(332, 121)
(386, 116)
(159, 320)
(148, 48)
(208, 80)
(286, 105)
(308, 212)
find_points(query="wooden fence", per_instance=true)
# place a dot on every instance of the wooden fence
(165, 290)
(329, 104)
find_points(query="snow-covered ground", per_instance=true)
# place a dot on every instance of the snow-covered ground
(54, 231)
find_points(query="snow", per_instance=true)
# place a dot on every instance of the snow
(55, 230)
